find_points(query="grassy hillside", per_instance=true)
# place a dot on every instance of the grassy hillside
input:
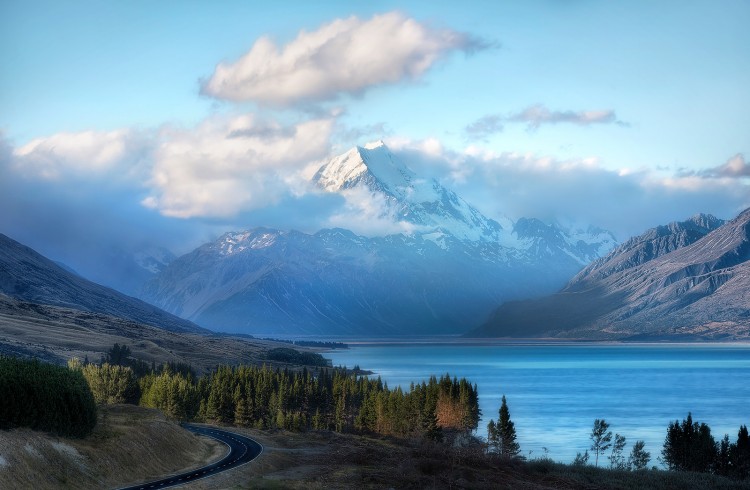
(132, 444)
(128, 444)
(55, 334)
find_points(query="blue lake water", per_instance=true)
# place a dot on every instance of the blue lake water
(556, 391)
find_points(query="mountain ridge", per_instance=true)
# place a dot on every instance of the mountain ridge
(444, 275)
(29, 276)
(689, 279)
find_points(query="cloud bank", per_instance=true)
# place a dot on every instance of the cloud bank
(534, 117)
(346, 56)
(225, 166)
(578, 190)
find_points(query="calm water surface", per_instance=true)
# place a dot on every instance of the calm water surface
(555, 392)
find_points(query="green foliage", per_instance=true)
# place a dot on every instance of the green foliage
(262, 397)
(111, 383)
(493, 438)
(689, 446)
(617, 458)
(739, 454)
(639, 457)
(581, 459)
(292, 356)
(601, 438)
(118, 354)
(45, 397)
(173, 393)
(509, 448)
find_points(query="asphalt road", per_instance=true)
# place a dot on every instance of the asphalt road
(242, 450)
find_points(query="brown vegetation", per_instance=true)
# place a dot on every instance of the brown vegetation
(56, 334)
(327, 460)
(134, 444)
(129, 444)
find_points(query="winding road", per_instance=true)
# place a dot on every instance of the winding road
(242, 450)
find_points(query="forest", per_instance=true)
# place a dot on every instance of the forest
(263, 397)
(63, 401)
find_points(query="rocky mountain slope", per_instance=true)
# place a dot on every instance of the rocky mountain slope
(688, 280)
(446, 274)
(28, 276)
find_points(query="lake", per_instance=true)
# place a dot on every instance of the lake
(555, 391)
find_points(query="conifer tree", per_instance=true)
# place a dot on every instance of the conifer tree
(740, 453)
(493, 438)
(723, 463)
(509, 448)
(689, 446)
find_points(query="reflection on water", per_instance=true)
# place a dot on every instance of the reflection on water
(556, 391)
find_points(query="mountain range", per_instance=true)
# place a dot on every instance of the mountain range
(51, 313)
(444, 273)
(685, 280)
(28, 276)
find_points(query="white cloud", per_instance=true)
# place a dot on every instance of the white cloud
(582, 189)
(366, 213)
(535, 116)
(734, 168)
(346, 56)
(63, 155)
(225, 166)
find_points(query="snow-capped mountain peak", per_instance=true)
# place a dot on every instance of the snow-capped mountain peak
(372, 164)
(438, 214)
(434, 210)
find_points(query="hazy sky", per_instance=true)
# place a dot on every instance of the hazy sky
(169, 122)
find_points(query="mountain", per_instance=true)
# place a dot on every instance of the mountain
(445, 274)
(30, 277)
(687, 280)
(435, 212)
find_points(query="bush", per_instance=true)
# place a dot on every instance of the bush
(45, 397)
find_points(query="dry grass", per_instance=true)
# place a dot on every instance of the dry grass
(324, 460)
(129, 444)
(136, 444)
(55, 334)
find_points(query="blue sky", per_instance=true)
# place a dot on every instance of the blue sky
(621, 114)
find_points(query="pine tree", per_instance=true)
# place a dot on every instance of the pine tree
(740, 453)
(723, 457)
(241, 413)
(493, 438)
(601, 438)
(689, 446)
(509, 448)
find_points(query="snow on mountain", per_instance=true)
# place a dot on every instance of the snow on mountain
(434, 209)
(442, 277)
(437, 211)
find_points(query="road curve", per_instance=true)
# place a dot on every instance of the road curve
(242, 450)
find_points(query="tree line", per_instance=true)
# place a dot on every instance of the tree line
(331, 399)
(264, 397)
(689, 446)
